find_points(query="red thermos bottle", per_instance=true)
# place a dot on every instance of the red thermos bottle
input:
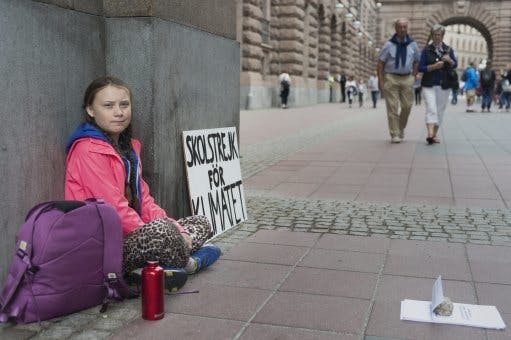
(152, 292)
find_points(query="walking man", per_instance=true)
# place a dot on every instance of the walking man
(471, 83)
(342, 81)
(397, 67)
(488, 78)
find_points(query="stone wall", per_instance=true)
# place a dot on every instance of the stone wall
(51, 50)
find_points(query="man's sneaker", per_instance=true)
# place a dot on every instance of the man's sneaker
(395, 139)
(175, 278)
(203, 258)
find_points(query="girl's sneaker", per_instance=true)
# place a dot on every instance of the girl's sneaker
(203, 258)
(175, 278)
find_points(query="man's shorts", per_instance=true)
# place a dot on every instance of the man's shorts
(471, 94)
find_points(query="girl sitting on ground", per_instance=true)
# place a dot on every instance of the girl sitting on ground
(103, 161)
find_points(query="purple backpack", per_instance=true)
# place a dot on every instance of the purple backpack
(68, 257)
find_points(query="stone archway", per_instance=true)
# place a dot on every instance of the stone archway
(477, 17)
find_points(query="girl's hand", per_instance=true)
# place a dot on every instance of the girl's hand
(188, 240)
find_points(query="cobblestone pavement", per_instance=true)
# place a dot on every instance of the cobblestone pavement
(414, 222)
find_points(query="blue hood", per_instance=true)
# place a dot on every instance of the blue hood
(85, 130)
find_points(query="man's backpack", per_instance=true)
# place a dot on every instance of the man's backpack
(486, 77)
(68, 257)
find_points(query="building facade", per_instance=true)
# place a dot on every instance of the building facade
(308, 39)
(468, 43)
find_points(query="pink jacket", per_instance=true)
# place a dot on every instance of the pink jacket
(94, 169)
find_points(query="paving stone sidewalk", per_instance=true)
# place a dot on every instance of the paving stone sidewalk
(309, 266)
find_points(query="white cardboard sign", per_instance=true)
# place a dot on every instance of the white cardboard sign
(214, 176)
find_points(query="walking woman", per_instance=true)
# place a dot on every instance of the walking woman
(437, 59)
(103, 161)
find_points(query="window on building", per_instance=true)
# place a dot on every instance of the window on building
(321, 13)
(265, 21)
(265, 31)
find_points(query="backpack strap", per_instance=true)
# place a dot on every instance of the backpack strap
(10, 288)
(23, 256)
(114, 283)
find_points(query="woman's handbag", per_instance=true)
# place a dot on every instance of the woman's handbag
(449, 79)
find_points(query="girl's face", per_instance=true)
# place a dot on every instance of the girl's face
(111, 110)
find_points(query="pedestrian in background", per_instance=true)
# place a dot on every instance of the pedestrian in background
(351, 89)
(342, 81)
(437, 60)
(471, 83)
(397, 67)
(506, 88)
(454, 99)
(417, 89)
(331, 81)
(488, 78)
(362, 89)
(373, 86)
(285, 85)
(499, 91)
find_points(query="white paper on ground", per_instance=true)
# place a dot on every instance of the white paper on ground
(462, 314)
(437, 296)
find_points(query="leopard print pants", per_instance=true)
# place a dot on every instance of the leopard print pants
(160, 240)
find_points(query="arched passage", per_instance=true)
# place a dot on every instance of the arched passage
(475, 16)
(477, 25)
(489, 17)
